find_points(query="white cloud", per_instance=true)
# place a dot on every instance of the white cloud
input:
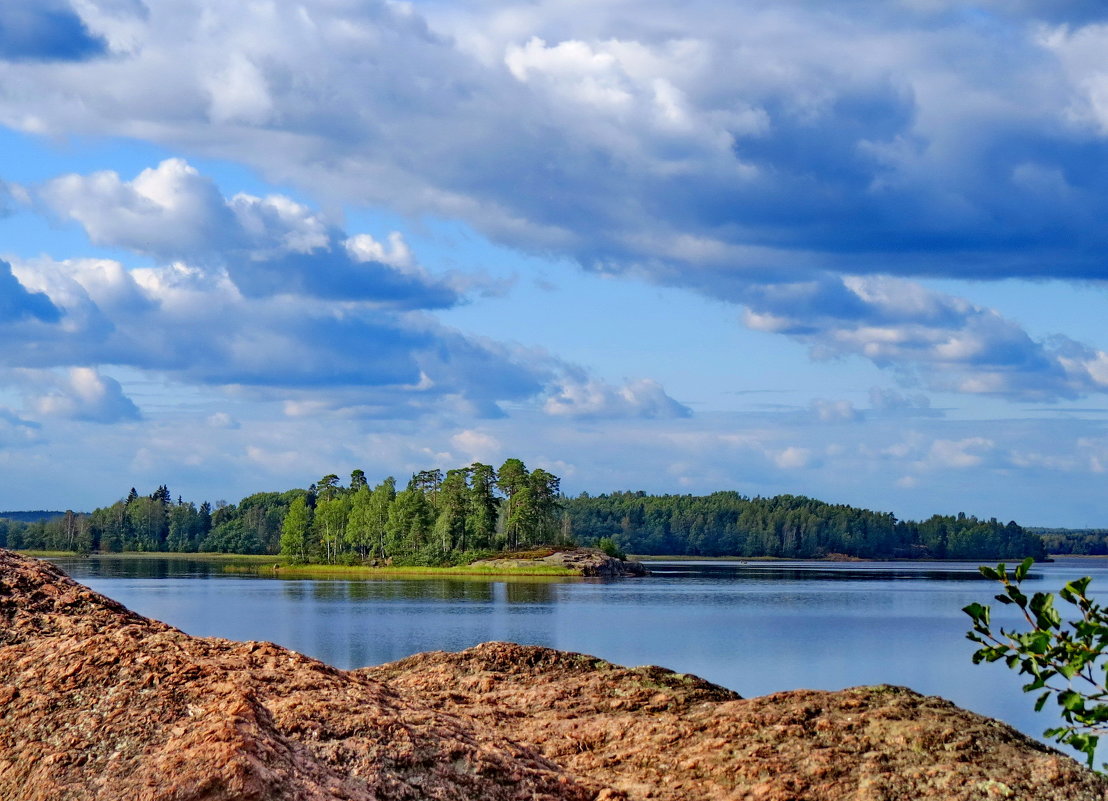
(944, 341)
(222, 420)
(477, 446)
(793, 458)
(79, 393)
(591, 398)
(958, 454)
(168, 210)
(267, 246)
(842, 411)
(239, 93)
(755, 153)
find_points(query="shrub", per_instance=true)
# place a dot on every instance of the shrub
(608, 545)
(1064, 659)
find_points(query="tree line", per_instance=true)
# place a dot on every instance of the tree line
(457, 515)
(1075, 541)
(786, 526)
(437, 518)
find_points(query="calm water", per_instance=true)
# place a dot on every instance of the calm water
(756, 628)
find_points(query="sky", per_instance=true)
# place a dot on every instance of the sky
(854, 251)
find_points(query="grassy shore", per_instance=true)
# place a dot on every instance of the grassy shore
(280, 566)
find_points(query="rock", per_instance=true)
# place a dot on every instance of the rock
(97, 702)
(105, 704)
(651, 733)
(590, 562)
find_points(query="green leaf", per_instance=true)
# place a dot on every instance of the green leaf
(1071, 700)
(1024, 567)
(989, 573)
(978, 613)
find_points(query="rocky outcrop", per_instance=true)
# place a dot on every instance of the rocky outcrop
(97, 702)
(590, 562)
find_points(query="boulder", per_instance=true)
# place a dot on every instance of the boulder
(589, 562)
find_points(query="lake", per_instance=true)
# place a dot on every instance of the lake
(755, 627)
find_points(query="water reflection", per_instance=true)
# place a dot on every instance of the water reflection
(138, 567)
(824, 571)
(391, 590)
(526, 593)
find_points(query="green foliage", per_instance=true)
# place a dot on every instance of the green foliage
(608, 546)
(480, 508)
(1084, 541)
(294, 530)
(785, 526)
(1063, 659)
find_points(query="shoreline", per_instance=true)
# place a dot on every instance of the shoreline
(276, 565)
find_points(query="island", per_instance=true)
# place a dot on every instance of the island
(479, 513)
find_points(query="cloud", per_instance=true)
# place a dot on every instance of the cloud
(780, 157)
(170, 211)
(79, 393)
(268, 246)
(17, 432)
(777, 156)
(477, 446)
(223, 420)
(194, 326)
(792, 458)
(702, 147)
(945, 342)
(44, 30)
(592, 399)
(356, 360)
(827, 411)
(17, 303)
(891, 402)
(960, 454)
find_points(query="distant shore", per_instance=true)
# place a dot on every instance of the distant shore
(278, 565)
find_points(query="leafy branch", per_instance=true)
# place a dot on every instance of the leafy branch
(1064, 659)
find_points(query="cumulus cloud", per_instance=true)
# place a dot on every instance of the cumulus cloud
(783, 157)
(268, 246)
(757, 153)
(946, 342)
(358, 360)
(17, 303)
(195, 326)
(590, 398)
(697, 144)
(79, 393)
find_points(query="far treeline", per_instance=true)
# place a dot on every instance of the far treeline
(453, 517)
(1075, 541)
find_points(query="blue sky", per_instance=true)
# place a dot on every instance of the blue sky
(847, 251)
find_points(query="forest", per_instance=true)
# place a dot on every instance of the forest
(1074, 541)
(452, 517)
(438, 518)
(787, 526)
